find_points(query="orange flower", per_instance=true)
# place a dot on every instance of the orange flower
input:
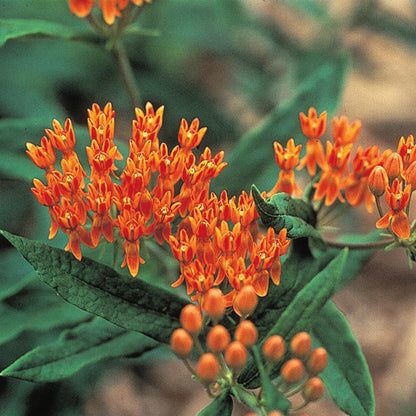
(190, 137)
(62, 139)
(146, 126)
(42, 156)
(81, 8)
(397, 199)
(286, 159)
(407, 150)
(344, 132)
(313, 127)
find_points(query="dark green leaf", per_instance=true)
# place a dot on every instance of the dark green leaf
(221, 406)
(303, 310)
(283, 211)
(87, 343)
(123, 300)
(346, 377)
(16, 28)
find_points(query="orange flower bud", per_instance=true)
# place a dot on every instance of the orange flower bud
(313, 389)
(218, 338)
(274, 348)
(377, 181)
(246, 333)
(236, 356)
(245, 301)
(191, 319)
(213, 304)
(292, 371)
(393, 165)
(208, 368)
(275, 413)
(181, 343)
(317, 361)
(410, 175)
(301, 345)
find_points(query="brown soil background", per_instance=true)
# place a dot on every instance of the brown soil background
(380, 303)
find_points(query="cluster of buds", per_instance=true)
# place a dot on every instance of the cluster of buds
(221, 359)
(216, 239)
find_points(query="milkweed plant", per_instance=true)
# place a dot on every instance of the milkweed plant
(248, 310)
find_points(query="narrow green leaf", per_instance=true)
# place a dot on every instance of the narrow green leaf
(302, 311)
(346, 377)
(220, 406)
(123, 300)
(86, 344)
(283, 211)
(17, 28)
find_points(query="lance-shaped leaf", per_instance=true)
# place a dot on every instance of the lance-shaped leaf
(220, 406)
(75, 348)
(283, 211)
(301, 313)
(127, 302)
(346, 377)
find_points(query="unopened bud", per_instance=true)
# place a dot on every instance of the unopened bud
(181, 343)
(393, 165)
(213, 304)
(301, 345)
(317, 361)
(292, 371)
(245, 301)
(218, 338)
(313, 389)
(275, 413)
(274, 348)
(378, 180)
(246, 333)
(208, 368)
(236, 356)
(191, 319)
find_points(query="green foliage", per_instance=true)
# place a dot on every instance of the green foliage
(220, 406)
(346, 377)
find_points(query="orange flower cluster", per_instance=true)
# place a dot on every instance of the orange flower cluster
(216, 238)
(110, 8)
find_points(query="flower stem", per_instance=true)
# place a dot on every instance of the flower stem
(361, 246)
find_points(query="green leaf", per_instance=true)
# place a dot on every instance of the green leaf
(346, 377)
(283, 211)
(302, 311)
(125, 301)
(86, 344)
(35, 309)
(17, 28)
(220, 406)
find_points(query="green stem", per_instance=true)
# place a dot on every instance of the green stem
(361, 246)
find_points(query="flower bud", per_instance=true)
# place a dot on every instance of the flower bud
(191, 319)
(218, 338)
(275, 413)
(274, 348)
(245, 301)
(208, 368)
(246, 333)
(292, 371)
(317, 361)
(313, 389)
(393, 165)
(410, 175)
(181, 343)
(236, 356)
(377, 181)
(213, 304)
(301, 345)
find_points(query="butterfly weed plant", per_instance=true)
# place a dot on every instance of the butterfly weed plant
(249, 311)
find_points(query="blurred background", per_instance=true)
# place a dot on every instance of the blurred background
(237, 65)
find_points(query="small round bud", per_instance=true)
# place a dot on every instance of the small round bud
(301, 345)
(213, 304)
(181, 343)
(275, 413)
(218, 338)
(292, 371)
(246, 333)
(245, 301)
(393, 165)
(208, 368)
(191, 319)
(313, 389)
(274, 348)
(236, 356)
(378, 181)
(317, 361)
